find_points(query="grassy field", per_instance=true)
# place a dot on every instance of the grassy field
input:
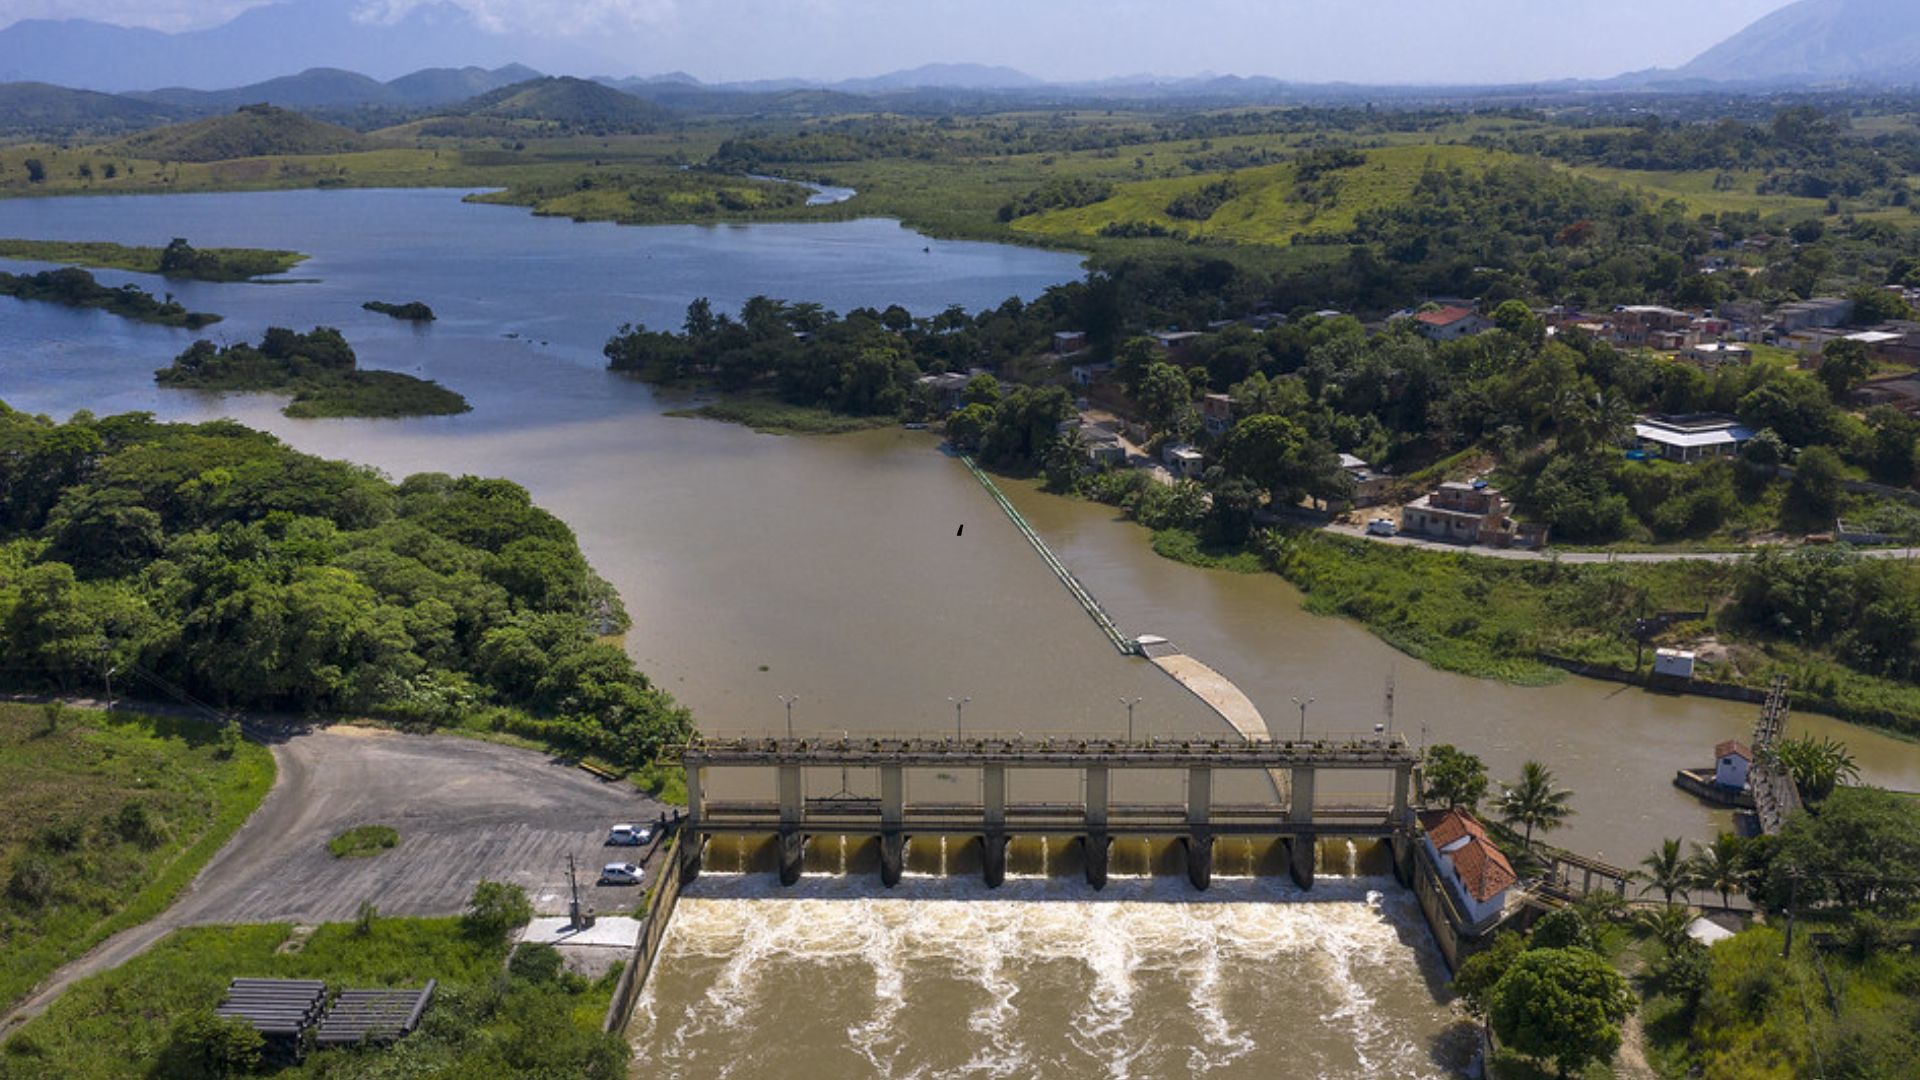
(234, 264)
(1696, 189)
(107, 818)
(1267, 208)
(120, 1024)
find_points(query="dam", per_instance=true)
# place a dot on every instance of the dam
(1090, 823)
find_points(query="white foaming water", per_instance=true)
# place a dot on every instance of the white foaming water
(841, 978)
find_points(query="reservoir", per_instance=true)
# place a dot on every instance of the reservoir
(756, 566)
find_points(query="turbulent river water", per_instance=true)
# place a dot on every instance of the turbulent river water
(830, 568)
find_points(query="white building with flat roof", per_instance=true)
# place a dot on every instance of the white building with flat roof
(1687, 439)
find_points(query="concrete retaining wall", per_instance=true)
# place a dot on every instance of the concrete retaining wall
(646, 948)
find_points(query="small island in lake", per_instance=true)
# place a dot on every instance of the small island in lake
(77, 288)
(178, 259)
(412, 312)
(318, 368)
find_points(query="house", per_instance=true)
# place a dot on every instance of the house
(1085, 375)
(1468, 514)
(1068, 342)
(1184, 462)
(1103, 447)
(1472, 868)
(1900, 391)
(1216, 412)
(1731, 763)
(1715, 353)
(1451, 323)
(1808, 314)
(1367, 486)
(1690, 438)
(1651, 325)
(947, 391)
(1175, 342)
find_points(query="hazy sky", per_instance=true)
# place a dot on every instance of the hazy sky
(1378, 41)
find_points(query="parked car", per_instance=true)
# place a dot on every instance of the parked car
(1382, 527)
(620, 873)
(630, 836)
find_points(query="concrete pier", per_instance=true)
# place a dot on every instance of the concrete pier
(1097, 844)
(893, 858)
(993, 859)
(1200, 858)
(793, 855)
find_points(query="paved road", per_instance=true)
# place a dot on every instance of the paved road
(465, 810)
(1575, 558)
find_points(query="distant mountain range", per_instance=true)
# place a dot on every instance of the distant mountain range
(1812, 42)
(1821, 41)
(251, 48)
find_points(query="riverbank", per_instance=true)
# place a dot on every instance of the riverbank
(1526, 623)
(770, 417)
(174, 261)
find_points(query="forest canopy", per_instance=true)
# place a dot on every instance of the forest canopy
(213, 558)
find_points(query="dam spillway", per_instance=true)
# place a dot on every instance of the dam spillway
(1090, 825)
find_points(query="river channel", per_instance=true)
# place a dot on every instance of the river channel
(836, 570)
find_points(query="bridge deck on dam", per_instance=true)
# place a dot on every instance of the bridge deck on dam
(862, 817)
(1059, 752)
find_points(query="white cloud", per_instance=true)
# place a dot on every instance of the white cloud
(561, 18)
(152, 14)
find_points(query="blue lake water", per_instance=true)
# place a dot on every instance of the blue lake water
(516, 294)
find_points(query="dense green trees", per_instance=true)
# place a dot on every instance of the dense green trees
(1561, 1005)
(1454, 778)
(77, 288)
(214, 558)
(318, 368)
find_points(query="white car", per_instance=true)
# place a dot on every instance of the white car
(620, 873)
(630, 836)
(1382, 527)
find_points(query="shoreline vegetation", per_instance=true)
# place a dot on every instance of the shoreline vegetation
(771, 417)
(76, 288)
(251, 576)
(320, 372)
(86, 850)
(1497, 619)
(177, 260)
(414, 311)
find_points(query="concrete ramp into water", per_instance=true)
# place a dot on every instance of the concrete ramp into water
(1218, 692)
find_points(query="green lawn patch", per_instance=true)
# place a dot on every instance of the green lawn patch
(177, 260)
(482, 1022)
(779, 418)
(108, 817)
(1185, 545)
(363, 841)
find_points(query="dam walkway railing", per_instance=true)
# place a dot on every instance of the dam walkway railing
(1120, 641)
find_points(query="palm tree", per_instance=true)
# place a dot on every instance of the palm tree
(1718, 866)
(1668, 926)
(1534, 802)
(1666, 870)
(1816, 765)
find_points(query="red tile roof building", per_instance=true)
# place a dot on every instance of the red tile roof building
(1479, 874)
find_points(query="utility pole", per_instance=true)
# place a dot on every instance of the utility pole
(959, 707)
(1130, 703)
(1303, 715)
(573, 884)
(788, 700)
(1389, 702)
(1793, 902)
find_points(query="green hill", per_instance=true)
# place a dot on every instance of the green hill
(572, 104)
(1319, 194)
(39, 110)
(252, 131)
